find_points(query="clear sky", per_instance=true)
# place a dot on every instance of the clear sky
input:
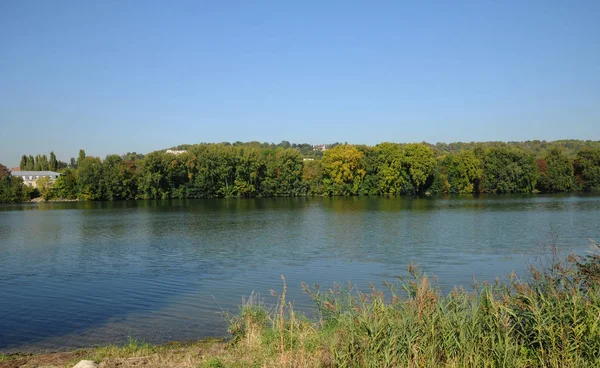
(116, 76)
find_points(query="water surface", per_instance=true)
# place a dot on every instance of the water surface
(82, 274)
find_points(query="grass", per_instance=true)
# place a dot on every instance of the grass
(6, 358)
(550, 320)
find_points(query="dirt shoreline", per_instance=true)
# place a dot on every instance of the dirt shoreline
(173, 354)
(42, 200)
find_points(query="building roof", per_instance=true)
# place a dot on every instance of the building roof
(34, 173)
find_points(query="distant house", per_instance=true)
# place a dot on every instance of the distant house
(15, 169)
(320, 147)
(31, 177)
(176, 152)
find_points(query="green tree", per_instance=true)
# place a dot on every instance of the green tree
(61, 165)
(283, 176)
(44, 186)
(4, 171)
(66, 186)
(420, 160)
(555, 172)
(464, 172)
(369, 183)
(342, 171)
(587, 169)
(37, 165)
(23, 163)
(312, 176)
(118, 179)
(152, 180)
(250, 168)
(12, 189)
(81, 156)
(508, 170)
(391, 168)
(44, 163)
(30, 163)
(53, 162)
(439, 180)
(90, 186)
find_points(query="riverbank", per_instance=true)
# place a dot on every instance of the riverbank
(551, 320)
(134, 354)
(42, 200)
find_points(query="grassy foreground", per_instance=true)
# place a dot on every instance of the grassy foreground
(552, 320)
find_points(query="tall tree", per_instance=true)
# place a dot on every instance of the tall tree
(81, 156)
(44, 163)
(53, 163)
(23, 163)
(30, 163)
(90, 179)
(37, 165)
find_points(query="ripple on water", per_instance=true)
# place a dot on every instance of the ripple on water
(81, 274)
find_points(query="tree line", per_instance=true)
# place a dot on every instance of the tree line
(41, 163)
(261, 170)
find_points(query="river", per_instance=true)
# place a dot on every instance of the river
(90, 273)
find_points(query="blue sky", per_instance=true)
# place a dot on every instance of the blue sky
(117, 76)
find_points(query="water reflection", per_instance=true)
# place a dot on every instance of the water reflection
(95, 272)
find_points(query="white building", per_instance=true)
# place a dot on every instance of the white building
(31, 177)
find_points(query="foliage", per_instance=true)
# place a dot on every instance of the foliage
(587, 173)
(312, 176)
(4, 171)
(118, 179)
(66, 186)
(53, 162)
(556, 172)
(548, 321)
(90, 178)
(44, 187)
(420, 160)
(390, 169)
(12, 189)
(342, 170)
(257, 169)
(508, 170)
(464, 172)
(589, 267)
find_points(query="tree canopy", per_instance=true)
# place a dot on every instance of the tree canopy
(264, 170)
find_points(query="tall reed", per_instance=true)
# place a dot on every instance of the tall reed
(550, 320)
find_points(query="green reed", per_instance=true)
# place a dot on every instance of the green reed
(550, 320)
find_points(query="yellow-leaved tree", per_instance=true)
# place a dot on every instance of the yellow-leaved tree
(342, 170)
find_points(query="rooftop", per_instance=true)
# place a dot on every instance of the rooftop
(34, 173)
